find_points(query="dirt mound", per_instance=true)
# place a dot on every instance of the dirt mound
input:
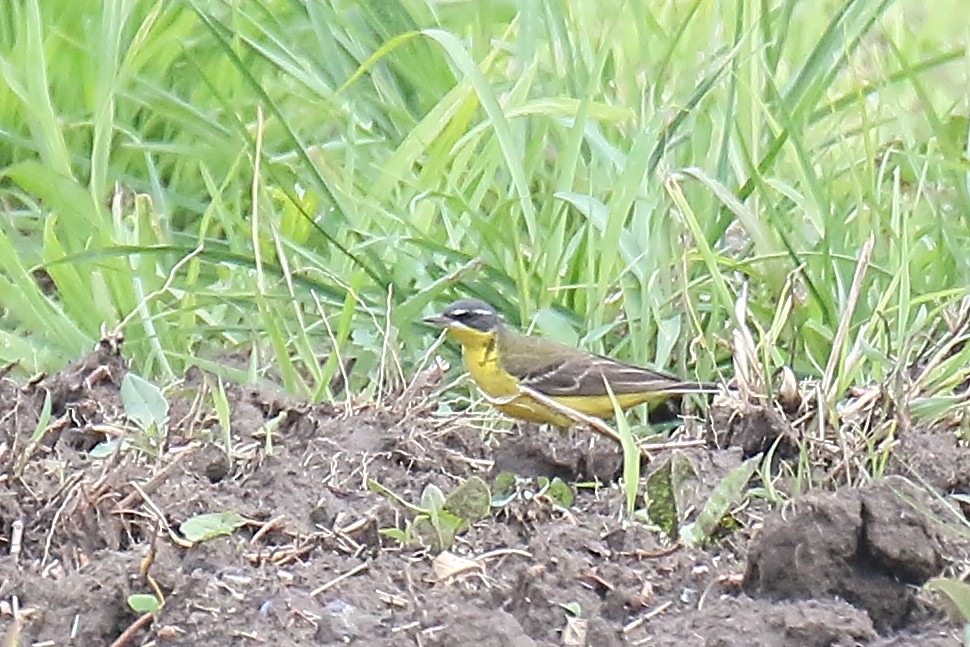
(310, 563)
(735, 621)
(935, 456)
(871, 547)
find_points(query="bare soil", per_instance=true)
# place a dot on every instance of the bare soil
(310, 567)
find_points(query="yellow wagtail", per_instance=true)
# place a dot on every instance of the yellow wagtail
(507, 366)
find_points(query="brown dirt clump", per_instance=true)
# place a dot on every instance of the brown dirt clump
(753, 428)
(310, 564)
(871, 547)
(938, 456)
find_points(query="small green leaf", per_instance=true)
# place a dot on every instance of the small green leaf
(394, 533)
(958, 593)
(435, 532)
(143, 402)
(589, 485)
(572, 607)
(448, 522)
(505, 487)
(432, 498)
(211, 524)
(471, 500)
(107, 448)
(144, 603)
(560, 493)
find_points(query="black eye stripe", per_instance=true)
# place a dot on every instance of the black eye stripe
(472, 313)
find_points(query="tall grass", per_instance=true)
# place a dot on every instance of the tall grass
(271, 174)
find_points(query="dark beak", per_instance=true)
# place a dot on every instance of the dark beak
(439, 321)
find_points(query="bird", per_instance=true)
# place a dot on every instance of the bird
(541, 380)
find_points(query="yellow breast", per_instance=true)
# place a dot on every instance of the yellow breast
(481, 359)
(479, 352)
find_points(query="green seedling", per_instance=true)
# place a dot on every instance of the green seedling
(202, 527)
(144, 404)
(508, 487)
(438, 518)
(147, 409)
(144, 603)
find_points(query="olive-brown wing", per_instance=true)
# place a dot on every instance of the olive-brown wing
(555, 369)
(589, 376)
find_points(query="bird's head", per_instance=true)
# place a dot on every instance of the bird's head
(467, 320)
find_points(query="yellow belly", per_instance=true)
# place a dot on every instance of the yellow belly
(528, 408)
(503, 392)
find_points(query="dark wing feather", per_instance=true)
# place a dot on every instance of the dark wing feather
(586, 376)
(555, 369)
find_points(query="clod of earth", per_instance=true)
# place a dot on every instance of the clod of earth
(870, 546)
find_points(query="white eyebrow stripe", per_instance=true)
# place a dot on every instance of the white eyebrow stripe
(460, 312)
(483, 313)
